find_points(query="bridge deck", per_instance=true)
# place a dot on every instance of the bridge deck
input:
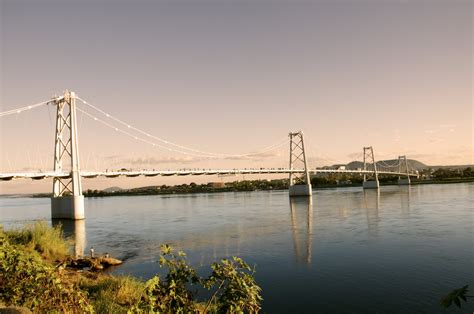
(152, 173)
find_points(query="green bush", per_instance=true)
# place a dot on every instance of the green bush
(231, 282)
(235, 290)
(28, 281)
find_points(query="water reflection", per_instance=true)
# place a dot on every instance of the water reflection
(405, 193)
(76, 231)
(372, 205)
(302, 227)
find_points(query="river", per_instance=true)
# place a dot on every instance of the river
(345, 250)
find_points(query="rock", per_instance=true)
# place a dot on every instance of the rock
(94, 263)
(110, 261)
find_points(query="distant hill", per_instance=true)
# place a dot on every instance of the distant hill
(113, 189)
(390, 164)
(412, 164)
(451, 167)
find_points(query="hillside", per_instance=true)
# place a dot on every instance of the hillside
(412, 164)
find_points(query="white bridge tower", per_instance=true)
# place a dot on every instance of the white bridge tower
(405, 181)
(299, 185)
(374, 182)
(67, 201)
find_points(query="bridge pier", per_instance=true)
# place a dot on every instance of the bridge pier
(67, 207)
(301, 190)
(371, 184)
(406, 181)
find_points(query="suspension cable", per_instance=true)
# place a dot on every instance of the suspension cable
(387, 165)
(22, 109)
(150, 142)
(180, 148)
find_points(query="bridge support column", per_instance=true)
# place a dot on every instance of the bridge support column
(301, 190)
(374, 182)
(67, 201)
(407, 180)
(67, 207)
(299, 186)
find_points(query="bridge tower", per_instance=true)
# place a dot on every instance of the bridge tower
(374, 182)
(67, 201)
(299, 185)
(401, 181)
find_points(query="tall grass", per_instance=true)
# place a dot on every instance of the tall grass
(40, 237)
(113, 294)
(27, 280)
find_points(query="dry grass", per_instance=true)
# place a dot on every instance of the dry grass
(40, 237)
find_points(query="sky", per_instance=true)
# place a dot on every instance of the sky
(233, 77)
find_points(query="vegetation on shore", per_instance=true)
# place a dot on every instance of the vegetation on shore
(34, 275)
(428, 176)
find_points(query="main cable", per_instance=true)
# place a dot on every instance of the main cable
(183, 149)
(147, 141)
(22, 109)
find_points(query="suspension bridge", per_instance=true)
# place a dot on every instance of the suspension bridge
(67, 201)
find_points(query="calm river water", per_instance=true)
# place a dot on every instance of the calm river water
(344, 251)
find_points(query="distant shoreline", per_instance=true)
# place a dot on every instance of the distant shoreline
(177, 190)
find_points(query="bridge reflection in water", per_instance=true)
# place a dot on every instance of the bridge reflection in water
(229, 239)
(372, 207)
(75, 230)
(301, 209)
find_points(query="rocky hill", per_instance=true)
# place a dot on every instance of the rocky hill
(390, 165)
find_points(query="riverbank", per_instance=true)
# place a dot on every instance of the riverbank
(37, 274)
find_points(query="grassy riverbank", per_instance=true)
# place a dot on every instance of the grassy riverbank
(35, 275)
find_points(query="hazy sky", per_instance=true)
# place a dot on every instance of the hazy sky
(236, 76)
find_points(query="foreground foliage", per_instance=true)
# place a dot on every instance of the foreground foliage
(231, 282)
(456, 296)
(32, 275)
(26, 280)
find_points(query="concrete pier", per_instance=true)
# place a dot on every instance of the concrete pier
(371, 184)
(405, 181)
(67, 207)
(301, 190)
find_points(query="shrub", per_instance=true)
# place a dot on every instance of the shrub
(236, 290)
(231, 281)
(26, 280)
